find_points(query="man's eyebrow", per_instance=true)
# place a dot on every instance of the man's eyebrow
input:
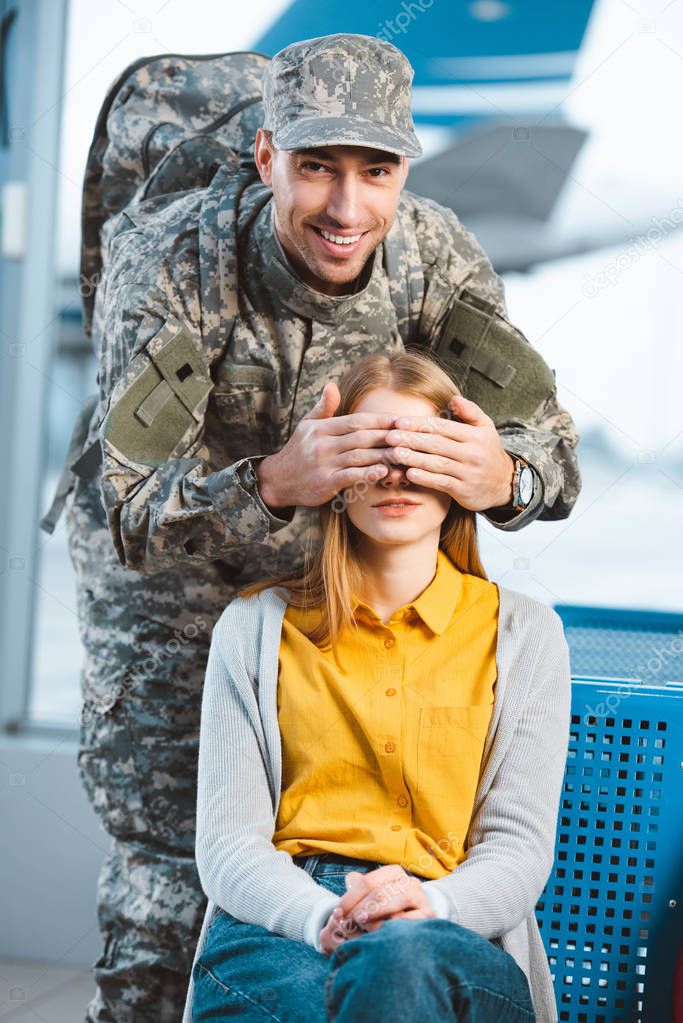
(372, 157)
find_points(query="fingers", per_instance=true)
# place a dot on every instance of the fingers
(335, 932)
(399, 897)
(341, 930)
(431, 462)
(468, 411)
(356, 888)
(428, 432)
(327, 403)
(464, 493)
(446, 483)
(348, 483)
(380, 905)
(386, 882)
(340, 425)
(355, 456)
(361, 439)
(379, 895)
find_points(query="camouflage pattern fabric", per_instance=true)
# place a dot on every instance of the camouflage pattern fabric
(154, 115)
(146, 640)
(340, 89)
(189, 509)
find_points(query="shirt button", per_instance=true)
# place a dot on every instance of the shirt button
(402, 801)
(390, 692)
(395, 827)
(389, 747)
(389, 642)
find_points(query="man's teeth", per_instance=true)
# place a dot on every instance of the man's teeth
(338, 239)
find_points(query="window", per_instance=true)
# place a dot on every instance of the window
(611, 344)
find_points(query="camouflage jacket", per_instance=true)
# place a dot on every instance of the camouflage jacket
(181, 493)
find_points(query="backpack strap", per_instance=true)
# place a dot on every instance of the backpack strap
(403, 265)
(218, 269)
(72, 465)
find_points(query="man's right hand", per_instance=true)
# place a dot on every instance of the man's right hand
(324, 455)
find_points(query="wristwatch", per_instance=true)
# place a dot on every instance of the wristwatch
(248, 477)
(522, 484)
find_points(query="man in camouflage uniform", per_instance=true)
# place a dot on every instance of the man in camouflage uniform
(229, 493)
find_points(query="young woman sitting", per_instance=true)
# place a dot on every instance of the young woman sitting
(382, 747)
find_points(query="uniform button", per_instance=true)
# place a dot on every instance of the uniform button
(402, 801)
(395, 827)
(389, 747)
(389, 642)
(390, 692)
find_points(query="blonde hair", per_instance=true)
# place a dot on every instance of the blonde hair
(335, 572)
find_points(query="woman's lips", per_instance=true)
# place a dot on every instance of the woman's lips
(394, 510)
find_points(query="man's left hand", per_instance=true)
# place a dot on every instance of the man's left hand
(465, 459)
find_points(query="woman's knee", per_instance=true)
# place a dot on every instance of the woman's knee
(404, 945)
(479, 963)
(401, 942)
(250, 973)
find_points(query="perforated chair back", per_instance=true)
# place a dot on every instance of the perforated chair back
(610, 914)
(621, 644)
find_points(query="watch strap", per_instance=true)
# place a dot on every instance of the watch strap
(517, 503)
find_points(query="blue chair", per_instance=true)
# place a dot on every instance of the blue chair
(610, 915)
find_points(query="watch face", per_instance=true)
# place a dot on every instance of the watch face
(249, 476)
(526, 485)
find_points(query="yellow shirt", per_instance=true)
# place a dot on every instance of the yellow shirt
(381, 761)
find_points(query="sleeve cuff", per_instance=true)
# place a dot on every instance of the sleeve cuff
(235, 497)
(317, 919)
(438, 899)
(276, 522)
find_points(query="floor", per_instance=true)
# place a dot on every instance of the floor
(34, 992)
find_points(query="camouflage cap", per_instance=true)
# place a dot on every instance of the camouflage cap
(341, 89)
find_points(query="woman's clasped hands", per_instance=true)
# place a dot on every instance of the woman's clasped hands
(386, 893)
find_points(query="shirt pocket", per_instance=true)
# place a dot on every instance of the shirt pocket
(243, 410)
(450, 745)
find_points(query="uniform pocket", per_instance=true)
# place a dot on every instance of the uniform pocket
(159, 409)
(107, 769)
(243, 408)
(164, 743)
(450, 746)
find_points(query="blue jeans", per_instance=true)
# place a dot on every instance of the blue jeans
(407, 970)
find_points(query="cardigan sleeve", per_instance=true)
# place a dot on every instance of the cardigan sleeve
(239, 868)
(511, 840)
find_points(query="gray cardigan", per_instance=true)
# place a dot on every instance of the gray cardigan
(512, 830)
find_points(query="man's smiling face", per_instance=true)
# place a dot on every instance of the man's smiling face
(333, 207)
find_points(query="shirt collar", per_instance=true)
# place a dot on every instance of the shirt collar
(437, 604)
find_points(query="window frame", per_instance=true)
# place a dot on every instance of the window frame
(37, 41)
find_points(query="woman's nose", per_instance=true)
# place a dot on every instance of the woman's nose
(395, 477)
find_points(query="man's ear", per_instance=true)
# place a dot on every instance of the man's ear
(263, 157)
(406, 162)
